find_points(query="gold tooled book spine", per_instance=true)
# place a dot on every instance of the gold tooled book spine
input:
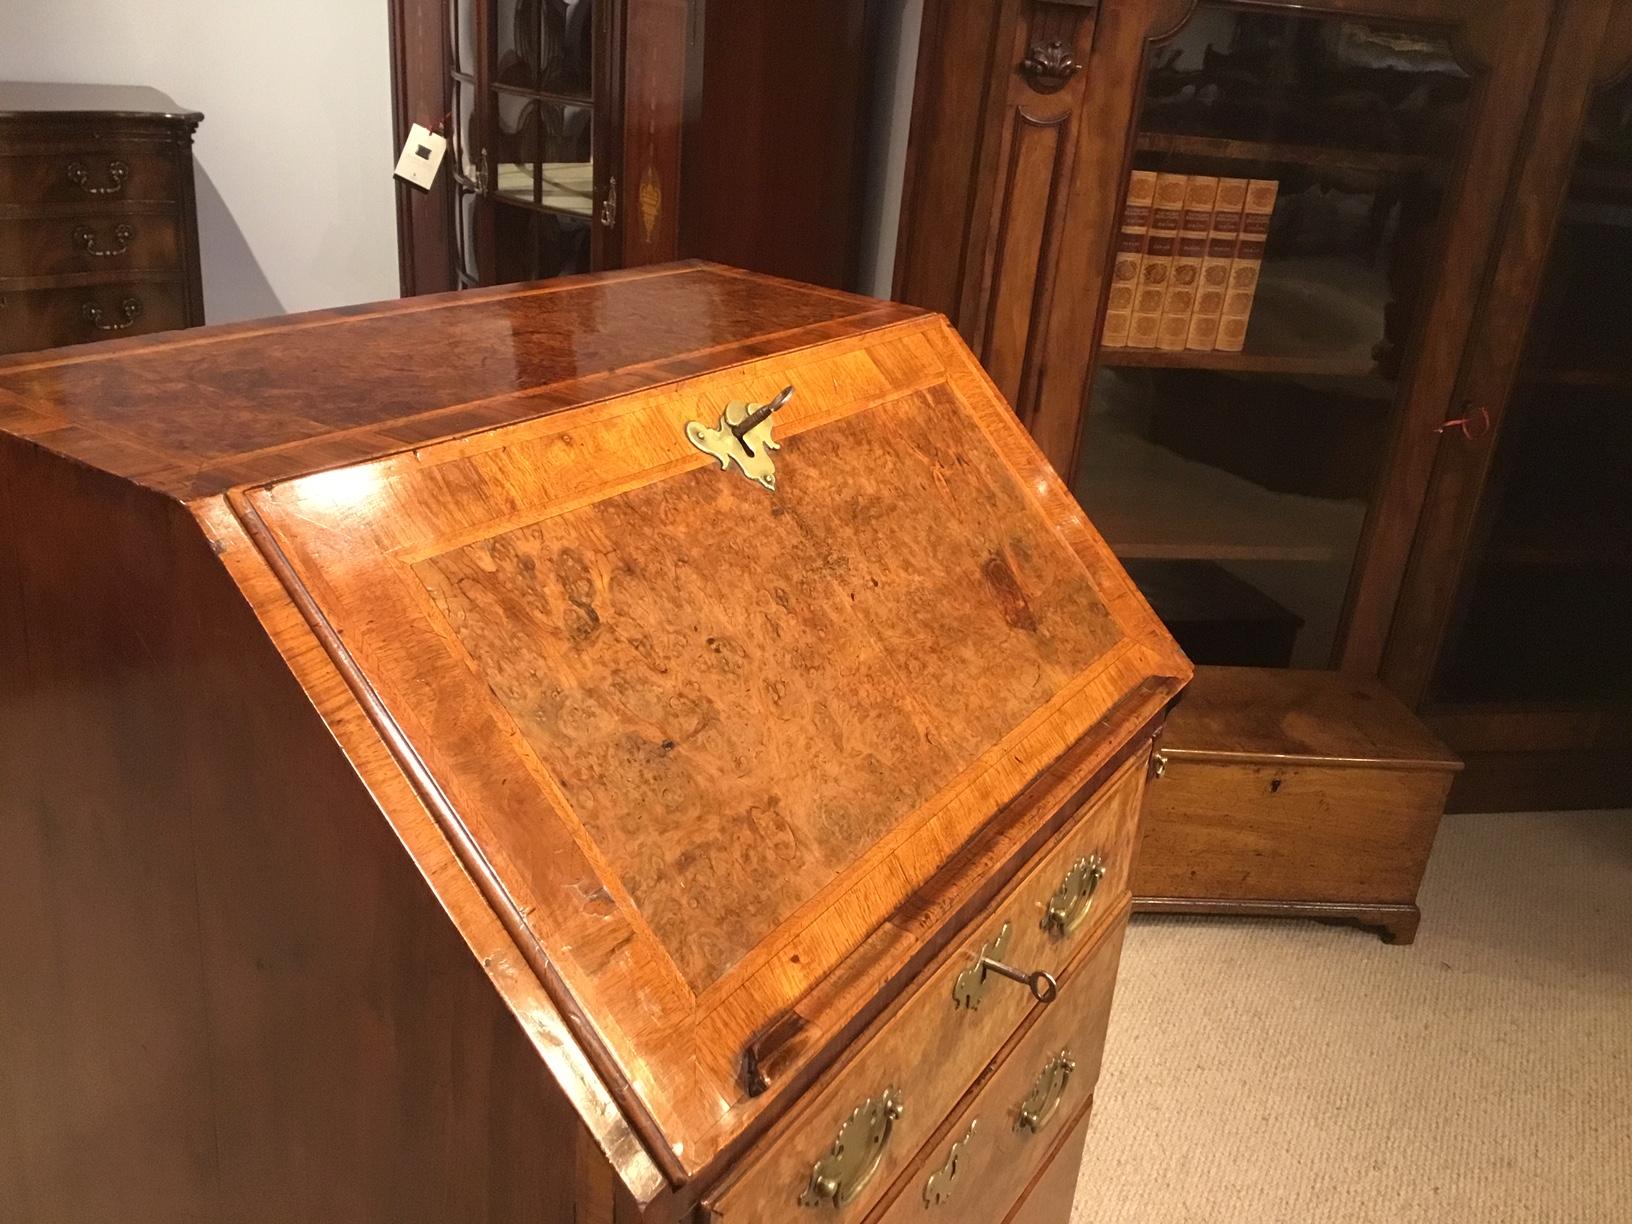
(1182, 281)
(1247, 265)
(1166, 214)
(1130, 256)
(1223, 234)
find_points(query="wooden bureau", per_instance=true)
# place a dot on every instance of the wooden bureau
(504, 756)
(98, 224)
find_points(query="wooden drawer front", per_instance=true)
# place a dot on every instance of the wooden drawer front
(100, 173)
(102, 243)
(896, 1059)
(1052, 1195)
(1260, 831)
(993, 1152)
(45, 318)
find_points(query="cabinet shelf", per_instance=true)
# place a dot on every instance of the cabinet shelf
(1153, 504)
(1315, 316)
(1274, 153)
(1580, 376)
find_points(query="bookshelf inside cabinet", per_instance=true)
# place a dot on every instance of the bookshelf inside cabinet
(1295, 165)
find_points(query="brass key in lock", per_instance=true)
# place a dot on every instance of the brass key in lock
(970, 987)
(1041, 983)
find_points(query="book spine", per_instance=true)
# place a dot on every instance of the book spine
(1200, 195)
(1248, 263)
(1166, 215)
(1222, 237)
(1130, 257)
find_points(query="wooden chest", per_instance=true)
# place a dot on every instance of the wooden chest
(1328, 811)
(473, 759)
(98, 224)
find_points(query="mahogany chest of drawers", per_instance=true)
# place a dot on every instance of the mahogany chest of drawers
(98, 225)
(659, 746)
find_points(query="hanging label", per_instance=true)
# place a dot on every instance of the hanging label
(421, 157)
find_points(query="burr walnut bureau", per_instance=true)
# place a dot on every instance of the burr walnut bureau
(657, 746)
(98, 225)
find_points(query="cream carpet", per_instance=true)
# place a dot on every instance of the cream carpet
(1266, 1071)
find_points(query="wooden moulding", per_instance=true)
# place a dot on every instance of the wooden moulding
(1293, 794)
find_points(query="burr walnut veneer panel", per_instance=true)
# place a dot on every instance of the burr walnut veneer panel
(805, 656)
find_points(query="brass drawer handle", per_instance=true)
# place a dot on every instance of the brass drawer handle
(1045, 1095)
(969, 987)
(1072, 900)
(129, 311)
(857, 1151)
(939, 1187)
(117, 173)
(85, 240)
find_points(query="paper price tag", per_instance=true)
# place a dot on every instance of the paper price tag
(421, 157)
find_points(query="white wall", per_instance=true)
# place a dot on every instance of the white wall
(294, 157)
(896, 64)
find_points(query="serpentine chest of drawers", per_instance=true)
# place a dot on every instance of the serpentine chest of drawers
(659, 746)
(98, 226)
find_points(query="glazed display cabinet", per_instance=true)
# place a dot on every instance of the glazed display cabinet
(562, 123)
(1225, 259)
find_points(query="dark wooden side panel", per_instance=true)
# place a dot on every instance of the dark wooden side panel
(228, 995)
(419, 88)
(950, 101)
(1036, 154)
(651, 110)
(774, 151)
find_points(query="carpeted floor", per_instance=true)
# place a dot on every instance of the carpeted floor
(1264, 1072)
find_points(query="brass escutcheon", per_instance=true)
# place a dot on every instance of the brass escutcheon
(840, 1175)
(969, 988)
(743, 437)
(939, 1186)
(1072, 900)
(1044, 1097)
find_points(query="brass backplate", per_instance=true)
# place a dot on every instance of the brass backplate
(1046, 1093)
(938, 1189)
(970, 987)
(839, 1176)
(1072, 901)
(751, 451)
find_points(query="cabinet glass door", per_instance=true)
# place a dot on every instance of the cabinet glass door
(1263, 314)
(525, 135)
(1542, 615)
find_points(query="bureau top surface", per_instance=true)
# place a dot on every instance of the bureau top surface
(197, 412)
(55, 98)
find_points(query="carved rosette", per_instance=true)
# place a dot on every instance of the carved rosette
(1048, 66)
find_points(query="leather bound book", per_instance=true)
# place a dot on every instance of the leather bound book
(1248, 262)
(1166, 215)
(1223, 234)
(1130, 256)
(1200, 194)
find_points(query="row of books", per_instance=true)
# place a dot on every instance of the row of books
(1187, 262)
